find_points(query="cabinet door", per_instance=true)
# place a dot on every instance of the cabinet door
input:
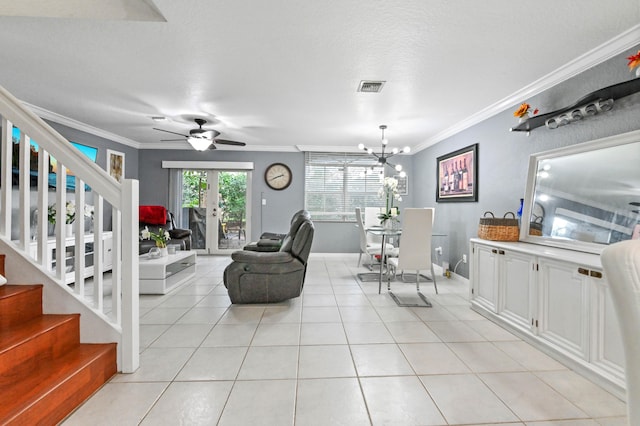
(485, 276)
(606, 341)
(107, 247)
(517, 288)
(564, 313)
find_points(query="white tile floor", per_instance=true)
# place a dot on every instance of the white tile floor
(338, 355)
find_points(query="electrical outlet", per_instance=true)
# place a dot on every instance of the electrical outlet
(439, 250)
(464, 258)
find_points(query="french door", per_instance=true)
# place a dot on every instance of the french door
(217, 207)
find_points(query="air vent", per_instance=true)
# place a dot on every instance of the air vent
(369, 86)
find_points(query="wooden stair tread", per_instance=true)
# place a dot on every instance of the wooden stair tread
(52, 376)
(10, 337)
(9, 290)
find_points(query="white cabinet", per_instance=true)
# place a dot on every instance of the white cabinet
(502, 283)
(606, 345)
(556, 299)
(484, 287)
(564, 307)
(517, 288)
(70, 253)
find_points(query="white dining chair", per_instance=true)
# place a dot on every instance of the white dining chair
(371, 249)
(414, 252)
(621, 263)
(371, 220)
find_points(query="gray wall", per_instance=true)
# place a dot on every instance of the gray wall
(503, 158)
(280, 205)
(131, 154)
(503, 155)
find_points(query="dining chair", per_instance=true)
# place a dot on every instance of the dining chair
(414, 252)
(371, 220)
(621, 263)
(369, 248)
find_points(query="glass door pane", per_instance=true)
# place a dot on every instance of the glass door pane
(232, 210)
(194, 202)
(216, 205)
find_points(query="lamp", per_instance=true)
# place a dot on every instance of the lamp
(199, 144)
(383, 158)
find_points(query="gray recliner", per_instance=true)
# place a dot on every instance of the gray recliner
(270, 277)
(270, 241)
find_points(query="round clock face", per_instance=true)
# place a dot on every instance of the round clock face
(278, 176)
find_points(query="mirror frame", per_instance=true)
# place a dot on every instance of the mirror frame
(534, 159)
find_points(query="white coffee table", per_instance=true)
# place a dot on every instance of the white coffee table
(161, 275)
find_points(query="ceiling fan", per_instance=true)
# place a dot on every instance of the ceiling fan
(201, 139)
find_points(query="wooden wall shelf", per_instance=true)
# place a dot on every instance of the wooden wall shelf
(614, 92)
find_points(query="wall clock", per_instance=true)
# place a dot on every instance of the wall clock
(278, 176)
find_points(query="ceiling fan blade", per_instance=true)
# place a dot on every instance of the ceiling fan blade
(228, 142)
(171, 140)
(169, 131)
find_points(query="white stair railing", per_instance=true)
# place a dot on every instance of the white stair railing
(27, 196)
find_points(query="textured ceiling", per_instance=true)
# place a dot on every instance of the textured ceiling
(280, 73)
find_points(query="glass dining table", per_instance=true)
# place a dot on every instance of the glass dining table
(386, 234)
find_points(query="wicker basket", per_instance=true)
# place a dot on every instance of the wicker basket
(535, 227)
(499, 229)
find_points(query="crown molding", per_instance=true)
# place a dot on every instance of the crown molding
(599, 54)
(78, 125)
(185, 146)
(325, 148)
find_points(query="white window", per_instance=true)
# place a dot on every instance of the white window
(337, 183)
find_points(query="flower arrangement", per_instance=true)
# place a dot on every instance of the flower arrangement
(161, 237)
(389, 192)
(70, 211)
(524, 110)
(634, 61)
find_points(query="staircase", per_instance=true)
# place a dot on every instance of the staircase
(45, 372)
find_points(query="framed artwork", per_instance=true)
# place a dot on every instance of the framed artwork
(115, 164)
(457, 176)
(403, 184)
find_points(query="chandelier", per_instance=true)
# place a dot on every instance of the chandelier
(383, 158)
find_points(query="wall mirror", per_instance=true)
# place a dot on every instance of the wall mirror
(584, 196)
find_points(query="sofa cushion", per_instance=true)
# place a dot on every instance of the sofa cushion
(154, 215)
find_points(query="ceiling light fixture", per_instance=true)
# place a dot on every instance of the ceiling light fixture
(383, 158)
(199, 144)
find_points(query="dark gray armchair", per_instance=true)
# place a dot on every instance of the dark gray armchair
(270, 241)
(269, 277)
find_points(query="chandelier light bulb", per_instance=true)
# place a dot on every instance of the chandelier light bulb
(406, 150)
(383, 157)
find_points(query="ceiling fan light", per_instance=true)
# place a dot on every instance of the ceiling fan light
(199, 144)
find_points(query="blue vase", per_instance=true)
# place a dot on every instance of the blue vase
(519, 215)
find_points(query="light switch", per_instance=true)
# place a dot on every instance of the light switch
(264, 201)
